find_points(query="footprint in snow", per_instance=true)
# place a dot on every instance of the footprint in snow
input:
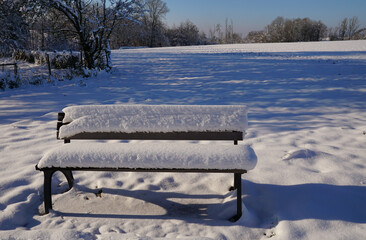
(168, 183)
(300, 154)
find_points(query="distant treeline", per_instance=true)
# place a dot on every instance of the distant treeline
(304, 30)
(151, 31)
(279, 30)
(47, 25)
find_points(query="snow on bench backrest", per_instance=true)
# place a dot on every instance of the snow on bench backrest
(153, 118)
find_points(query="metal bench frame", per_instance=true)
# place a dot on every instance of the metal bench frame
(230, 136)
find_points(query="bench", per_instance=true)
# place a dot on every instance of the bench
(149, 122)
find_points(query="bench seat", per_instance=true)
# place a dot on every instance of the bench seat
(154, 155)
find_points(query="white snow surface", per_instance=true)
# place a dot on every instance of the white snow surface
(150, 155)
(152, 118)
(307, 126)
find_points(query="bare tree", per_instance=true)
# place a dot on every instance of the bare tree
(229, 31)
(50, 30)
(291, 30)
(342, 29)
(128, 33)
(92, 22)
(185, 34)
(276, 29)
(212, 36)
(353, 27)
(256, 37)
(294, 30)
(153, 20)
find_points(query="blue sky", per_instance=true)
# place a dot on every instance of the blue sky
(248, 15)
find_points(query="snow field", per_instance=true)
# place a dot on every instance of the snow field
(307, 126)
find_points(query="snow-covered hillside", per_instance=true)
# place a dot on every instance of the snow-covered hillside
(307, 125)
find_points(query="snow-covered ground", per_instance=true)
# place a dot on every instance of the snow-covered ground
(307, 125)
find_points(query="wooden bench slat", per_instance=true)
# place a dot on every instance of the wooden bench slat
(232, 136)
(182, 170)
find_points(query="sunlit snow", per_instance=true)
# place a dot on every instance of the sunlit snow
(306, 123)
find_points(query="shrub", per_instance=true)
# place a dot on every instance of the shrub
(5, 51)
(3, 79)
(36, 80)
(58, 61)
(2, 82)
(39, 57)
(29, 57)
(8, 80)
(13, 83)
(63, 61)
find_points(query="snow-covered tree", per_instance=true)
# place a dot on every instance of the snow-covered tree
(13, 30)
(92, 23)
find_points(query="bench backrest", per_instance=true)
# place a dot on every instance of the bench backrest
(153, 122)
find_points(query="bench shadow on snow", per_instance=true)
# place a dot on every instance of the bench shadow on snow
(189, 212)
(268, 203)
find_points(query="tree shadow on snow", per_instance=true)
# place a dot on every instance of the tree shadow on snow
(273, 203)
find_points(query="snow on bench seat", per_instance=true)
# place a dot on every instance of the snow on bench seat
(153, 118)
(150, 156)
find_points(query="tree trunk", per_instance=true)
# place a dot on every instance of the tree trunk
(88, 55)
(88, 59)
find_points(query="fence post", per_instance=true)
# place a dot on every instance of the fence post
(15, 69)
(81, 59)
(48, 64)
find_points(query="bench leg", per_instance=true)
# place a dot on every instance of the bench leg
(237, 186)
(47, 189)
(69, 177)
(237, 181)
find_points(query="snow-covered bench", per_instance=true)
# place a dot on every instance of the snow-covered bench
(149, 122)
